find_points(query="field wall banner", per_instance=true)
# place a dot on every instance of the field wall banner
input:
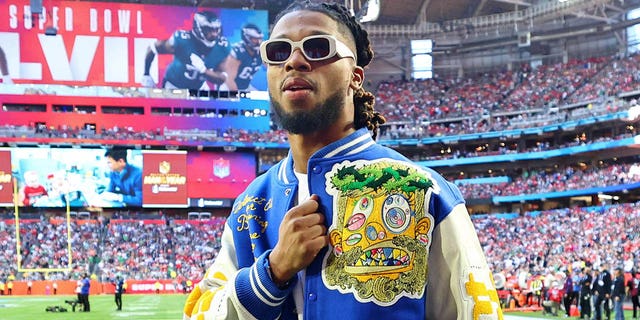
(105, 44)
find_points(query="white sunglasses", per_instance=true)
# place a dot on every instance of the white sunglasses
(314, 48)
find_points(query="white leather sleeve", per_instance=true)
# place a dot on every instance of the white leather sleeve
(460, 284)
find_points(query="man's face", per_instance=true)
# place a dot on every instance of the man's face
(211, 33)
(309, 96)
(115, 165)
(254, 42)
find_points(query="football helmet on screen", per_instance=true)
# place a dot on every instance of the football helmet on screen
(252, 36)
(206, 27)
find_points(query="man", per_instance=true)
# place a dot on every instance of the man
(125, 180)
(244, 60)
(585, 293)
(343, 228)
(197, 55)
(601, 292)
(552, 299)
(568, 292)
(84, 292)
(119, 285)
(617, 294)
(633, 288)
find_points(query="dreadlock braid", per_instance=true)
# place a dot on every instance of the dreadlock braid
(365, 115)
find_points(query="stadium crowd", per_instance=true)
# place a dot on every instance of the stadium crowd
(493, 101)
(563, 238)
(541, 242)
(135, 249)
(560, 179)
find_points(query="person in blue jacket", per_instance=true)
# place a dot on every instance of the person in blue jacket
(84, 292)
(125, 180)
(342, 228)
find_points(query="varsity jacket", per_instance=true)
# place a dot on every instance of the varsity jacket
(402, 245)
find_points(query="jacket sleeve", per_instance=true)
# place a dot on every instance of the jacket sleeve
(230, 292)
(460, 284)
(136, 186)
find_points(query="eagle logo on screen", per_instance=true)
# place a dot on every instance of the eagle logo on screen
(164, 167)
(381, 230)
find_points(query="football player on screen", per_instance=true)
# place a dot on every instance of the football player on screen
(197, 55)
(244, 60)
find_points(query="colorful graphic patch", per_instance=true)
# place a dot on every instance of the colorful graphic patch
(381, 230)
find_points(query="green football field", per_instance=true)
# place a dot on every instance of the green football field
(147, 307)
(135, 306)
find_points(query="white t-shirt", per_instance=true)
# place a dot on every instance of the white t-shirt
(298, 290)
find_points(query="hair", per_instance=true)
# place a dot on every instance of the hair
(363, 101)
(117, 154)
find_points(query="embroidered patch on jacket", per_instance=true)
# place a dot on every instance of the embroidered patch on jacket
(479, 287)
(381, 230)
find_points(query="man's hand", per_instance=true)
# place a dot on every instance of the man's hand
(302, 235)
(147, 81)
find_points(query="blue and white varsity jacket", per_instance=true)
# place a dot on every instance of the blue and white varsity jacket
(402, 245)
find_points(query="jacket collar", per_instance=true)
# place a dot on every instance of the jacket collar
(352, 144)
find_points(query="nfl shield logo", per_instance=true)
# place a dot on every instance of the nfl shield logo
(221, 168)
(164, 167)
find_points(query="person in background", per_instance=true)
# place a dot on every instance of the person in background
(84, 292)
(617, 293)
(633, 288)
(568, 292)
(601, 292)
(119, 287)
(125, 180)
(585, 293)
(343, 227)
(552, 301)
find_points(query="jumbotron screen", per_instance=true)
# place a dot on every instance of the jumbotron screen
(107, 44)
(84, 177)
